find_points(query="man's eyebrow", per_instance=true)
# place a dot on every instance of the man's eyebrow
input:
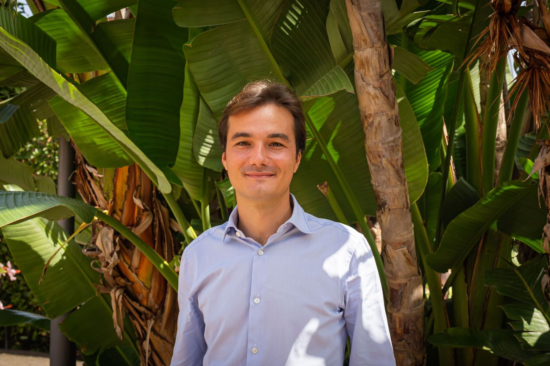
(278, 135)
(240, 134)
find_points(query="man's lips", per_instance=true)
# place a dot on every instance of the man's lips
(259, 175)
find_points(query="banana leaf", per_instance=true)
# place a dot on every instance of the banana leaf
(155, 81)
(10, 317)
(74, 52)
(19, 126)
(465, 231)
(36, 66)
(14, 172)
(500, 342)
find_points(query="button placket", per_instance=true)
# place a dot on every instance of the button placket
(255, 311)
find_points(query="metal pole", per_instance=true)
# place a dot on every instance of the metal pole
(63, 351)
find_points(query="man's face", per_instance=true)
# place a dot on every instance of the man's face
(260, 156)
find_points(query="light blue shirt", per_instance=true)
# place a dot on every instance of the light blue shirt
(293, 301)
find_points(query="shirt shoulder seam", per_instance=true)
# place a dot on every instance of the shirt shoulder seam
(201, 237)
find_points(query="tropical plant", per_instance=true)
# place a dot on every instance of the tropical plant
(140, 97)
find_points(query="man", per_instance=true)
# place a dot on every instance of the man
(275, 285)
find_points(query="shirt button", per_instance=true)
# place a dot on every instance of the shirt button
(254, 350)
(257, 300)
(239, 234)
(260, 252)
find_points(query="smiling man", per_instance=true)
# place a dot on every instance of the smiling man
(275, 285)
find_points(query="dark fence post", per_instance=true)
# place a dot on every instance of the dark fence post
(63, 351)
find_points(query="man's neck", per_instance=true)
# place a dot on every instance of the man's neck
(260, 220)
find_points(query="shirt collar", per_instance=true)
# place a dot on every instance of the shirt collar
(298, 219)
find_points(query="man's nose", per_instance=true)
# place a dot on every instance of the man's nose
(258, 155)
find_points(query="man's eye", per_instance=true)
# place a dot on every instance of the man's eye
(242, 143)
(277, 144)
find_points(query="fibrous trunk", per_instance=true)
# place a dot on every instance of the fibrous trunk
(135, 286)
(383, 143)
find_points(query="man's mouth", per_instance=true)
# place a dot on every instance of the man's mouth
(259, 175)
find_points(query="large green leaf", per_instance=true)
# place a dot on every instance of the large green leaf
(21, 206)
(45, 184)
(192, 13)
(500, 342)
(541, 360)
(304, 52)
(338, 122)
(186, 167)
(525, 317)
(24, 29)
(155, 81)
(525, 221)
(14, 172)
(107, 93)
(69, 280)
(115, 356)
(414, 155)
(409, 65)
(36, 66)
(98, 9)
(429, 204)
(427, 99)
(465, 231)
(460, 198)
(99, 148)
(522, 283)
(301, 46)
(119, 34)
(228, 192)
(19, 126)
(90, 341)
(340, 13)
(84, 14)
(17, 131)
(16, 317)
(16, 207)
(75, 53)
(206, 147)
(234, 51)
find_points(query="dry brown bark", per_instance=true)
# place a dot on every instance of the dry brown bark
(135, 286)
(383, 143)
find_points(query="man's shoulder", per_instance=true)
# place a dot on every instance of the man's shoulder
(318, 225)
(211, 235)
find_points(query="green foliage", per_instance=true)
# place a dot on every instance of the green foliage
(166, 76)
(20, 297)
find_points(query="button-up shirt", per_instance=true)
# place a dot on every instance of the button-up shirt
(292, 301)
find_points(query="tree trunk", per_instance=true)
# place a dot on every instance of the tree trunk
(383, 143)
(135, 286)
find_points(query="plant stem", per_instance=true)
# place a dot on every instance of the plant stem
(221, 202)
(441, 321)
(509, 157)
(205, 207)
(452, 122)
(186, 228)
(490, 124)
(471, 125)
(333, 202)
(460, 313)
(163, 267)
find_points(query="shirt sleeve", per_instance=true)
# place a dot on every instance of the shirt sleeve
(190, 346)
(366, 322)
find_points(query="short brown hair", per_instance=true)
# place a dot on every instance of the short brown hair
(260, 93)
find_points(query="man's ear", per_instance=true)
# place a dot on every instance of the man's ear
(298, 160)
(224, 160)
